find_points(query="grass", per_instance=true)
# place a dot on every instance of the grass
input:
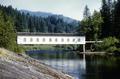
(49, 47)
(39, 47)
(8, 55)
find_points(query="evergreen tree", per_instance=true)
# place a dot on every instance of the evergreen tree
(86, 24)
(96, 23)
(86, 13)
(7, 32)
(107, 13)
(117, 20)
(24, 22)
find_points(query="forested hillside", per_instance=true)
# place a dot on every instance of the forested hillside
(46, 14)
(103, 25)
(25, 22)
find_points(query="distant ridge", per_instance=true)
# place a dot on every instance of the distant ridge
(37, 13)
(47, 14)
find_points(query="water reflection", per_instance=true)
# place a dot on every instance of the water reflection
(67, 62)
(73, 67)
(102, 67)
(80, 66)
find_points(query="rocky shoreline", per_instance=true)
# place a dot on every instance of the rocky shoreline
(14, 66)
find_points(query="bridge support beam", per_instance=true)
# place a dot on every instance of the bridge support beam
(84, 48)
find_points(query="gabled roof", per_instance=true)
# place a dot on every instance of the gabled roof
(48, 34)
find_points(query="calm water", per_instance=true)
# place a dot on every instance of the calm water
(79, 66)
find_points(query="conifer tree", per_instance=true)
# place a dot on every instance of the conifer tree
(7, 32)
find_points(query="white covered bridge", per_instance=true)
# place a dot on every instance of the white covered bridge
(50, 38)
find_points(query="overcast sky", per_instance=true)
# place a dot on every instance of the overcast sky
(70, 8)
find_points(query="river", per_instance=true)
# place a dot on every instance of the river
(80, 66)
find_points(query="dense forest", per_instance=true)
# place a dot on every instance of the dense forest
(101, 25)
(25, 22)
(104, 23)
(13, 21)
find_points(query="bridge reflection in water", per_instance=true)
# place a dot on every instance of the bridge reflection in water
(65, 61)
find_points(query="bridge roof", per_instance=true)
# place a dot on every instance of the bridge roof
(48, 34)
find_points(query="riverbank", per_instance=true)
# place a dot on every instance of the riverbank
(13, 66)
(49, 47)
(92, 53)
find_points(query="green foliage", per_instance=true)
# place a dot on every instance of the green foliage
(24, 22)
(7, 33)
(108, 45)
(19, 49)
(49, 47)
(86, 25)
(104, 24)
(96, 22)
(91, 25)
(111, 49)
(111, 18)
(116, 27)
(107, 16)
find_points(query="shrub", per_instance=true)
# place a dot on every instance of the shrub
(7, 33)
(108, 45)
